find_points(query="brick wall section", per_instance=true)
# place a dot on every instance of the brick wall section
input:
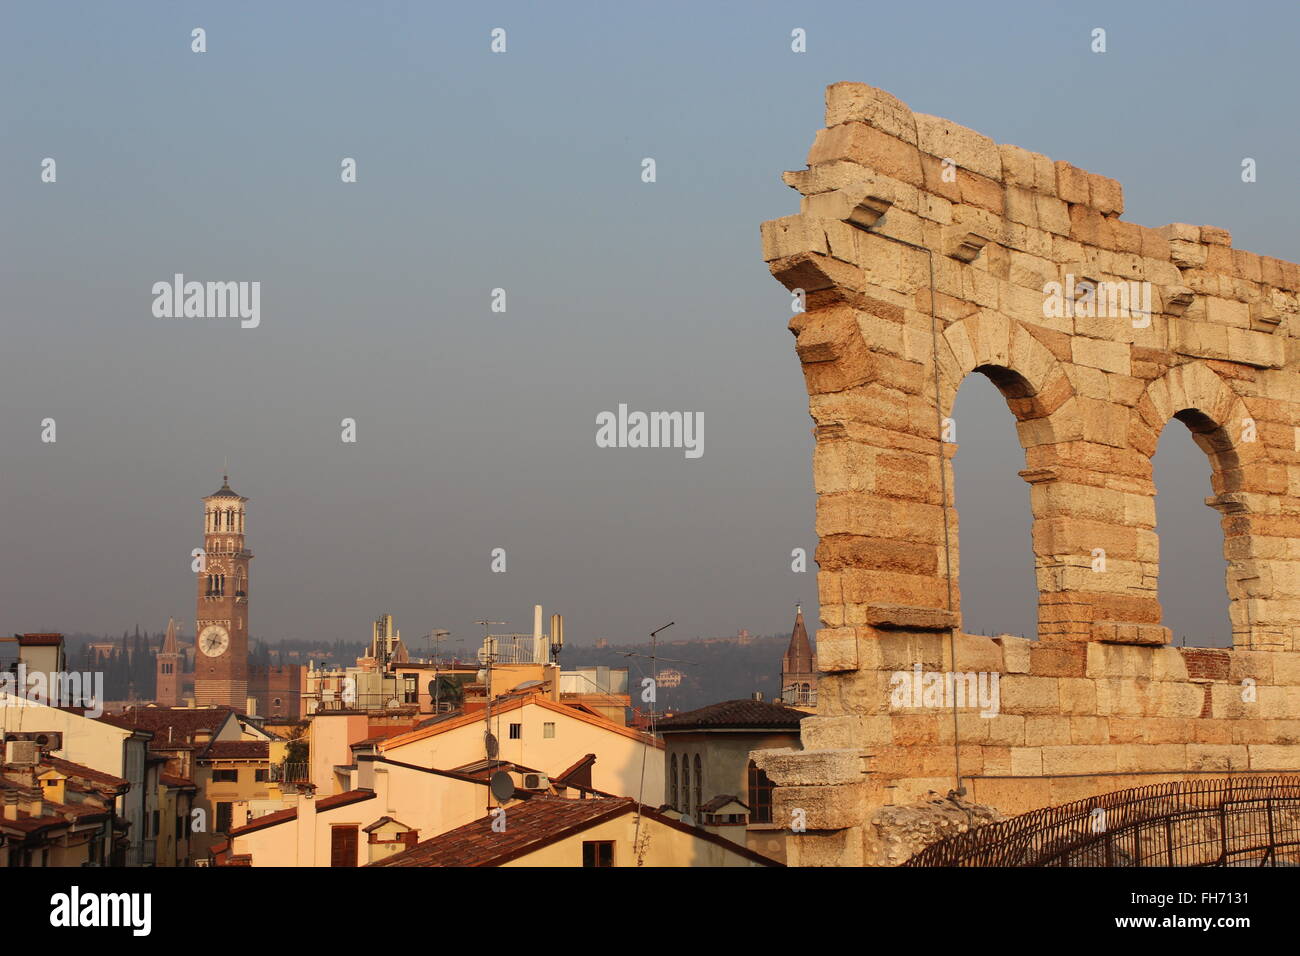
(924, 251)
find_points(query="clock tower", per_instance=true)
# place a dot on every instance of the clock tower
(221, 631)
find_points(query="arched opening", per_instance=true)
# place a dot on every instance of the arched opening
(1192, 582)
(759, 795)
(998, 587)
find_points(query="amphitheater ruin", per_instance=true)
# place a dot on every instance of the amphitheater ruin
(923, 252)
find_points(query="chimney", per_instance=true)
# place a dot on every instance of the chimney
(11, 805)
(53, 790)
(539, 642)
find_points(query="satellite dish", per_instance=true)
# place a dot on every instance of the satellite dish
(528, 684)
(490, 744)
(503, 786)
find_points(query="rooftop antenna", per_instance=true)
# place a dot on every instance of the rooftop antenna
(435, 639)
(640, 796)
(489, 742)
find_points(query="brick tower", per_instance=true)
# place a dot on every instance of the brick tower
(170, 665)
(221, 632)
(799, 667)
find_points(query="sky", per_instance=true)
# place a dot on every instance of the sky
(522, 171)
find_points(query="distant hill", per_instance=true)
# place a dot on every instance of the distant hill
(719, 669)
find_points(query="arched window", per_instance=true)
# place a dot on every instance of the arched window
(699, 784)
(760, 795)
(1193, 588)
(998, 581)
(686, 786)
(672, 782)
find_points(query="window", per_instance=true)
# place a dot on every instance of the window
(686, 786)
(343, 845)
(548, 730)
(412, 689)
(516, 731)
(223, 817)
(672, 783)
(261, 775)
(225, 776)
(155, 820)
(597, 852)
(760, 795)
(699, 784)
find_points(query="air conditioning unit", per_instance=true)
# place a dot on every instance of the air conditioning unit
(22, 752)
(535, 781)
(44, 739)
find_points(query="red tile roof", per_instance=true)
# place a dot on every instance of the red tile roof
(536, 823)
(736, 715)
(532, 824)
(39, 640)
(184, 723)
(322, 805)
(237, 750)
(76, 770)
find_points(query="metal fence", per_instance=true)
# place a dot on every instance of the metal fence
(289, 773)
(1238, 821)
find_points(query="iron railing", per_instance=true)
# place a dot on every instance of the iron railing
(289, 773)
(1238, 821)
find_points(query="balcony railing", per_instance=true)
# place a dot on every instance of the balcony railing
(289, 773)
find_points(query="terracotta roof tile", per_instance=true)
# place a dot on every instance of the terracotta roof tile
(736, 715)
(536, 823)
(533, 824)
(39, 640)
(184, 723)
(237, 750)
(70, 769)
(323, 804)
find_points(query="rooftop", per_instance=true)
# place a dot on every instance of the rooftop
(736, 715)
(534, 824)
(184, 723)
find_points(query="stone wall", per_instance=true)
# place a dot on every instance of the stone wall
(924, 251)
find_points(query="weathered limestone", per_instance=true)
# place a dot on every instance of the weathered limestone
(926, 252)
(896, 834)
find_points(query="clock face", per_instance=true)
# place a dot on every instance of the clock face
(213, 640)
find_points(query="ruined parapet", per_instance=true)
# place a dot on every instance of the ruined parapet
(896, 834)
(924, 251)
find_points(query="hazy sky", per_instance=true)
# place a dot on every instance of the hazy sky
(522, 171)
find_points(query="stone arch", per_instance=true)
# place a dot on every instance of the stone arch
(1039, 394)
(1212, 411)
(1026, 372)
(1220, 424)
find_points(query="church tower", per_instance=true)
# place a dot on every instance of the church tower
(799, 667)
(221, 631)
(170, 664)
